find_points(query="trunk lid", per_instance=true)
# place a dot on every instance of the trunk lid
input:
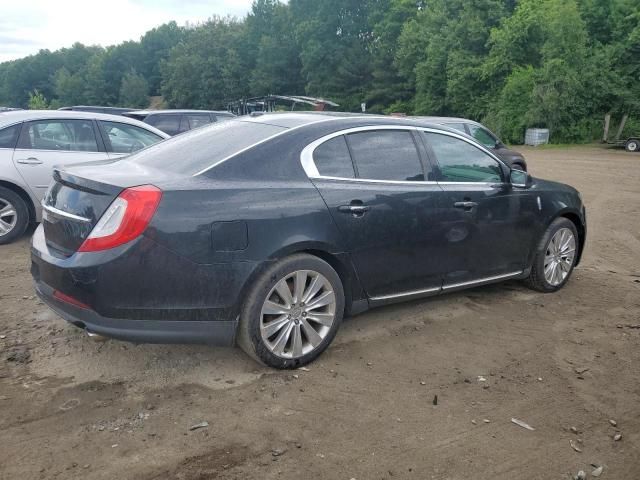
(79, 195)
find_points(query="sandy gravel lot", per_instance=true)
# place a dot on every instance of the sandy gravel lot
(71, 408)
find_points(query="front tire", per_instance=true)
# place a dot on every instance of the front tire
(632, 145)
(555, 257)
(14, 216)
(292, 312)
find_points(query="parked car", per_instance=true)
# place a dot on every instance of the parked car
(174, 122)
(267, 230)
(99, 109)
(32, 142)
(484, 136)
(632, 144)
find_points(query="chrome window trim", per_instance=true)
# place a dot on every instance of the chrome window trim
(56, 151)
(284, 130)
(310, 168)
(366, 180)
(62, 213)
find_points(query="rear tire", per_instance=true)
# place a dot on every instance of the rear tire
(517, 166)
(14, 216)
(555, 257)
(632, 145)
(281, 324)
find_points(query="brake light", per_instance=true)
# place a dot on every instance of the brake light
(125, 219)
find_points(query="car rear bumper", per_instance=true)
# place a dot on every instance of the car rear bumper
(220, 333)
(141, 292)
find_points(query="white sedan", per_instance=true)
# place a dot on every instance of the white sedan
(32, 142)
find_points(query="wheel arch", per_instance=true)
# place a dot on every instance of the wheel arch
(347, 274)
(340, 261)
(574, 217)
(355, 299)
(24, 195)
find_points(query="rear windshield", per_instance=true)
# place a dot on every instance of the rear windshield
(192, 152)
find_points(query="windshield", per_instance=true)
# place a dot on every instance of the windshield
(192, 152)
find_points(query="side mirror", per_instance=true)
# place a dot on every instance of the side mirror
(520, 179)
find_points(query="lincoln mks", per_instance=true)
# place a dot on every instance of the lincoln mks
(267, 231)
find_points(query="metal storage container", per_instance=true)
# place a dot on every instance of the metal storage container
(536, 136)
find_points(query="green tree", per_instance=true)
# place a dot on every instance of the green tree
(118, 61)
(545, 45)
(134, 91)
(208, 68)
(391, 90)
(276, 61)
(95, 82)
(561, 64)
(443, 48)
(37, 101)
(155, 47)
(68, 88)
(335, 38)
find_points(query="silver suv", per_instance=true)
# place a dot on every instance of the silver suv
(32, 142)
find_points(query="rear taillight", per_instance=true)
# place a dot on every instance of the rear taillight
(125, 219)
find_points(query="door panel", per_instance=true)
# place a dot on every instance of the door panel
(393, 232)
(44, 144)
(387, 214)
(488, 230)
(490, 224)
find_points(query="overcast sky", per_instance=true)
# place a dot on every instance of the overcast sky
(27, 26)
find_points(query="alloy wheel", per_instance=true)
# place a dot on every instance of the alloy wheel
(8, 217)
(558, 260)
(297, 314)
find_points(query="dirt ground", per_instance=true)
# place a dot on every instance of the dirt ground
(72, 408)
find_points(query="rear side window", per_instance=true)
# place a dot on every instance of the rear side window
(65, 135)
(457, 126)
(125, 138)
(197, 120)
(460, 161)
(483, 136)
(169, 124)
(9, 136)
(221, 117)
(332, 159)
(194, 151)
(386, 155)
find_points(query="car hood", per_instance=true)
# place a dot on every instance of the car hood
(506, 153)
(550, 185)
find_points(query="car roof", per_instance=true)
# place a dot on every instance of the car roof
(445, 119)
(299, 119)
(9, 118)
(73, 107)
(151, 112)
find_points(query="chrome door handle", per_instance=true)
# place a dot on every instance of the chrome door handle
(465, 205)
(29, 161)
(355, 209)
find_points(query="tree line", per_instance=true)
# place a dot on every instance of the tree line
(513, 64)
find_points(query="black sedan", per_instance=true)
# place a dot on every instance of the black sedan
(267, 231)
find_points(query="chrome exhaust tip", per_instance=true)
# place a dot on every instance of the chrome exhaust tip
(95, 337)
